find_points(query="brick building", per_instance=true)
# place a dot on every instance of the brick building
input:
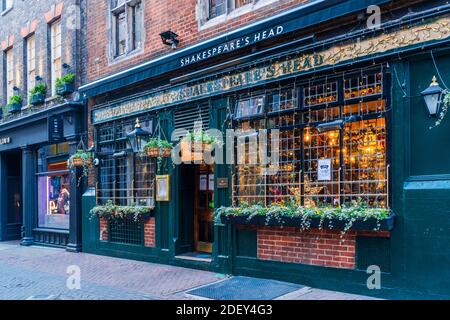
(339, 94)
(41, 121)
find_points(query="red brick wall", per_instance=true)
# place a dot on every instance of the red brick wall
(160, 15)
(315, 247)
(149, 233)
(103, 229)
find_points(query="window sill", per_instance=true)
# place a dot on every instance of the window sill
(125, 56)
(235, 13)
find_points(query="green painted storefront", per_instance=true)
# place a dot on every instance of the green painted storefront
(417, 254)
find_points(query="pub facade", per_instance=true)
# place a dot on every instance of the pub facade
(357, 176)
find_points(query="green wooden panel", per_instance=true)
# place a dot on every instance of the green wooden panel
(246, 243)
(430, 149)
(373, 251)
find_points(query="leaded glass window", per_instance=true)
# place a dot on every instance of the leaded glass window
(332, 142)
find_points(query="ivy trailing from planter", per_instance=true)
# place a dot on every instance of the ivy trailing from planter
(305, 216)
(80, 159)
(110, 211)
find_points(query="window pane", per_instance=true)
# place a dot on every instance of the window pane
(9, 74)
(217, 8)
(321, 148)
(249, 107)
(136, 26)
(55, 53)
(31, 62)
(240, 3)
(121, 33)
(365, 161)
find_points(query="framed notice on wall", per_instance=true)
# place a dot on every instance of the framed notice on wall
(324, 170)
(163, 188)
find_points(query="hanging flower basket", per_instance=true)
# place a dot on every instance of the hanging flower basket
(78, 162)
(153, 152)
(156, 148)
(166, 152)
(194, 144)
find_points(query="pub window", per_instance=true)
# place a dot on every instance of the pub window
(9, 57)
(220, 7)
(249, 107)
(127, 25)
(332, 144)
(31, 62)
(123, 177)
(55, 46)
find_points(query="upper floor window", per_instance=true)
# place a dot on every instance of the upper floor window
(9, 55)
(31, 62)
(55, 37)
(220, 7)
(6, 5)
(126, 26)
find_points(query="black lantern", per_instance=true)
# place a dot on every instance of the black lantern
(138, 137)
(432, 96)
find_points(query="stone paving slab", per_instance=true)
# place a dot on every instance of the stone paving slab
(41, 273)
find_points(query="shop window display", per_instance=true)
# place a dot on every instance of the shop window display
(54, 197)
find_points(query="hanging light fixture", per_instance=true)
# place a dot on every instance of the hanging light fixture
(138, 138)
(432, 96)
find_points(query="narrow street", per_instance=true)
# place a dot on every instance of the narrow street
(38, 273)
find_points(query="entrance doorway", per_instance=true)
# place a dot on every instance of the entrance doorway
(204, 208)
(13, 196)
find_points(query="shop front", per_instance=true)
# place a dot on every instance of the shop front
(39, 191)
(338, 124)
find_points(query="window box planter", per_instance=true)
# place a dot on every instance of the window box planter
(15, 107)
(369, 224)
(110, 211)
(37, 99)
(65, 88)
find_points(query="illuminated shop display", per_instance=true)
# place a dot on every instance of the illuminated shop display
(332, 144)
(54, 197)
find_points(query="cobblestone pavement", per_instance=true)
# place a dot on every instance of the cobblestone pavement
(41, 273)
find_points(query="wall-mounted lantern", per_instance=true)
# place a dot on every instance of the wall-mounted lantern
(432, 96)
(138, 138)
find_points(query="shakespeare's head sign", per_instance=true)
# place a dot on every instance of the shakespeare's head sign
(437, 30)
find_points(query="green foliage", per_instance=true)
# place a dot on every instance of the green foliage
(40, 88)
(65, 79)
(444, 110)
(201, 136)
(111, 211)
(15, 99)
(85, 157)
(348, 213)
(158, 143)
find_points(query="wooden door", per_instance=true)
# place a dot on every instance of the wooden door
(204, 208)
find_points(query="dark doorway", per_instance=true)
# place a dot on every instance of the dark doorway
(14, 214)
